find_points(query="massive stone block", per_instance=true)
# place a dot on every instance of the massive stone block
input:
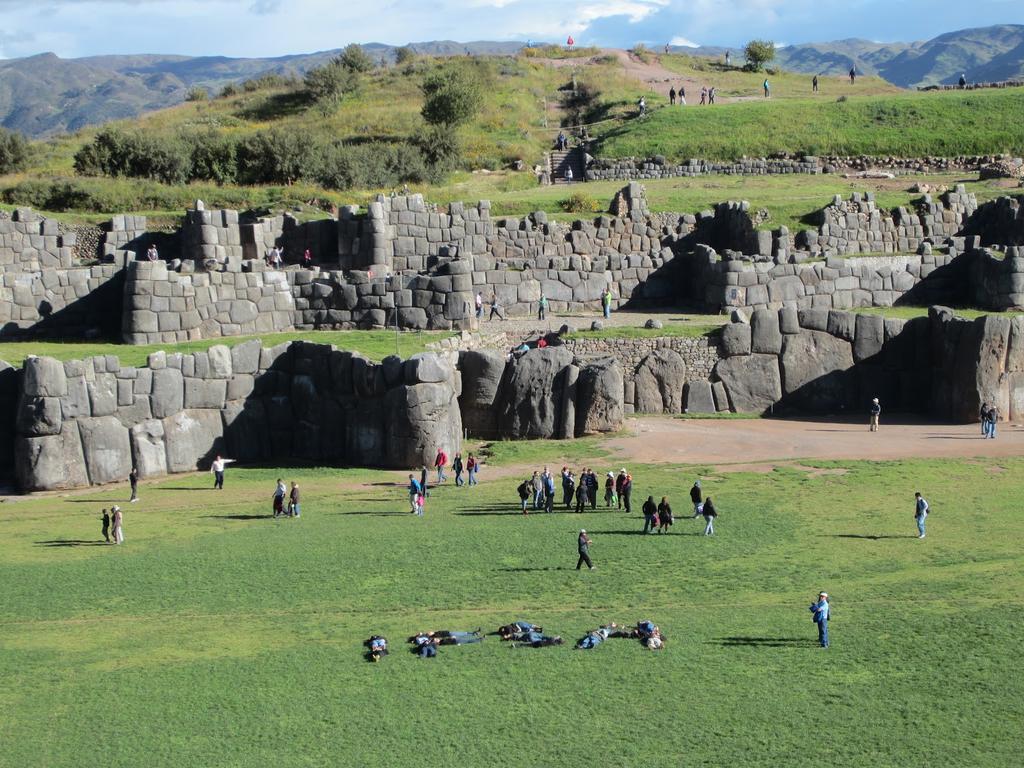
(599, 406)
(168, 392)
(193, 438)
(530, 398)
(659, 383)
(699, 397)
(482, 372)
(814, 371)
(52, 462)
(107, 449)
(766, 337)
(38, 416)
(420, 419)
(44, 377)
(736, 339)
(752, 382)
(148, 451)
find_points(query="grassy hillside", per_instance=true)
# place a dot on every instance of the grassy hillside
(219, 636)
(907, 125)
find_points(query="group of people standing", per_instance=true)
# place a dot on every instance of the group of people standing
(539, 490)
(989, 416)
(113, 526)
(294, 498)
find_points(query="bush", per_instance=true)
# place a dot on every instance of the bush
(214, 157)
(229, 90)
(372, 165)
(278, 156)
(453, 96)
(441, 149)
(355, 59)
(14, 151)
(116, 153)
(758, 53)
(197, 93)
(404, 55)
(640, 51)
(329, 83)
(578, 202)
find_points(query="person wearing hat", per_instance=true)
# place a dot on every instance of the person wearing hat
(583, 545)
(819, 615)
(118, 532)
(697, 498)
(876, 411)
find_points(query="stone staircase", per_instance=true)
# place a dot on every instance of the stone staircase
(560, 160)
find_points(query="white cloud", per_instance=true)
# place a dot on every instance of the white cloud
(684, 43)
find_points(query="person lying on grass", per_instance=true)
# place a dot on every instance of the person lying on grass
(537, 640)
(597, 636)
(650, 636)
(447, 637)
(516, 628)
(377, 647)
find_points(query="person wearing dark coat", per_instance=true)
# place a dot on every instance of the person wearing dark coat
(710, 513)
(106, 525)
(592, 486)
(696, 498)
(581, 496)
(583, 546)
(650, 509)
(627, 492)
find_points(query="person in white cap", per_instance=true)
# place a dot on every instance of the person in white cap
(819, 615)
(118, 530)
(876, 411)
(583, 545)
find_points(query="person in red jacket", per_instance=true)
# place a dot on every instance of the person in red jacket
(439, 464)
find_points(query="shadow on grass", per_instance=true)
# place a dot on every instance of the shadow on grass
(869, 537)
(97, 501)
(204, 488)
(239, 517)
(640, 532)
(369, 513)
(763, 642)
(531, 569)
(72, 543)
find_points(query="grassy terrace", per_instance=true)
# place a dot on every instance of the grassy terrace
(218, 636)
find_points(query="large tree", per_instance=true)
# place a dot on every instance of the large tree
(758, 53)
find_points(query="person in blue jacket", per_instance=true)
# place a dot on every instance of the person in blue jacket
(820, 614)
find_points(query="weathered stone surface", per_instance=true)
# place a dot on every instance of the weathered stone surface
(766, 338)
(103, 395)
(192, 438)
(43, 377)
(814, 371)
(220, 361)
(420, 419)
(107, 449)
(38, 416)
(148, 451)
(736, 339)
(870, 335)
(699, 397)
(659, 383)
(205, 393)
(426, 368)
(721, 396)
(599, 406)
(531, 393)
(245, 357)
(842, 324)
(168, 392)
(51, 462)
(482, 372)
(789, 320)
(813, 319)
(752, 382)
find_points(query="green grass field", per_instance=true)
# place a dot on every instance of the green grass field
(219, 637)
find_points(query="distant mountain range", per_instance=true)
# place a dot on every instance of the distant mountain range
(43, 95)
(984, 55)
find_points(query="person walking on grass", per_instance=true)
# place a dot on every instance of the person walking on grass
(664, 515)
(440, 460)
(583, 547)
(696, 499)
(672, 96)
(819, 615)
(525, 491)
(710, 513)
(920, 513)
(472, 467)
(293, 500)
(767, 89)
(424, 487)
(218, 471)
(133, 480)
(279, 494)
(118, 523)
(682, 96)
(415, 489)
(106, 526)
(814, 84)
(853, 75)
(457, 468)
(421, 503)
(875, 416)
(650, 510)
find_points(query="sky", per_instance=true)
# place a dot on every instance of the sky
(73, 28)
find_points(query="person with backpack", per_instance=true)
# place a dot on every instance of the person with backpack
(819, 615)
(710, 513)
(415, 489)
(650, 510)
(525, 490)
(695, 497)
(583, 547)
(472, 467)
(457, 469)
(920, 513)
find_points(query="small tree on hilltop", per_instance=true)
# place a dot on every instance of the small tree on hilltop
(327, 84)
(758, 53)
(355, 59)
(453, 96)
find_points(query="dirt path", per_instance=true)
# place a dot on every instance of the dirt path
(753, 444)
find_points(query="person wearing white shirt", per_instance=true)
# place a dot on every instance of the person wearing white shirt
(218, 471)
